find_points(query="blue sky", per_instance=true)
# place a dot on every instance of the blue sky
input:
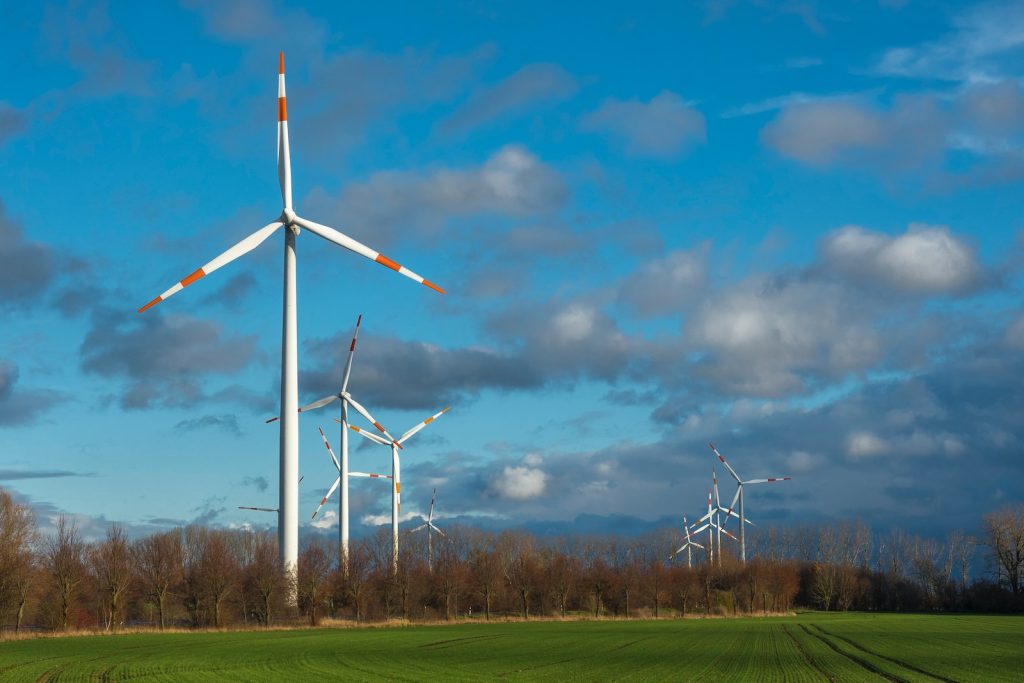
(791, 228)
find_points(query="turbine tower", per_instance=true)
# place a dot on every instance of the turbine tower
(288, 515)
(396, 466)
(739, 495)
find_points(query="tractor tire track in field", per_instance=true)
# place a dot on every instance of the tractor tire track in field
(807, 656)
(898, 662)
(442, 644)
(862, 663)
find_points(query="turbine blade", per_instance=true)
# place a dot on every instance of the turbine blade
(284, 160)
(351, 352)
(343, 240)
(369, 475)
(433, 497)
(366, 413)
(421, 425)
(729, 535)
(697, 531)
(333, 488)
(334, 458)
(770, 480)
(243, 507)
(443, 534)
(727, 465)
(369, 435)
(318, 403)
(240, 249)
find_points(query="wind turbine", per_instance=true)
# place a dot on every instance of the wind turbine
(711, 526)
(739, 495)
(341, 475)
(346, 399)
(429, 526)
(288, 515)
(396, 467)
(690, 543)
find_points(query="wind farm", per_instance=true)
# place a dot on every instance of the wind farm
(803, 256)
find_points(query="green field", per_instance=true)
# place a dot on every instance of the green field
(808, 647)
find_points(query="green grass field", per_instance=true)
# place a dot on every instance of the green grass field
(808, 647)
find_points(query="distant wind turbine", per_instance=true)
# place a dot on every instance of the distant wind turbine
(288, 515)
(689, 544)
(429, 526)
(739, 496)
(396, 467)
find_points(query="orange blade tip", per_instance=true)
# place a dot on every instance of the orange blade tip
(280, 63)
(150, 305)
(434, 287)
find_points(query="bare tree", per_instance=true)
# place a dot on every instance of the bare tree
(158, 565)
(62, 557)
(111, 568)
(264, 578)
(518, 565)
(17, 561)
(314, 566)
(1004, 536)
(484, 568)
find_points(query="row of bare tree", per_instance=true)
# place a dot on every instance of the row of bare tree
(198, 576)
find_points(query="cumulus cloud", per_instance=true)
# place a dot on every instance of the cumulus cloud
(22, 406)
(162, 358)
(911, 132)
(513, 182)
(523, 482)
(27, 268)
(560, 342)
(662, 286)
(228, 423)
(771, 336)
(925, 259)
(664, 127)
(529, 86)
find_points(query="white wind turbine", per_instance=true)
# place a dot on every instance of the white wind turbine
(396, 467)
(288, 515)
(429, 526)
(712, 526)
(341, 475)
(346, 399)
(739, 496)
(689, 544)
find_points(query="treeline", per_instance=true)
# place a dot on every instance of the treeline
(203, 577)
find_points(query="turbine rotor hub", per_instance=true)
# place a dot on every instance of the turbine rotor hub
(288, 218)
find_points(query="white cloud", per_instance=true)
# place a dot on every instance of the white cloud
(1014, 336)
(520, 483)
(327, 520)
(910, 132)
(924, 260)
(979, 49)
(663, 286)
(664, 127)
(512, 181)
(865, 445)
(766, 337)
